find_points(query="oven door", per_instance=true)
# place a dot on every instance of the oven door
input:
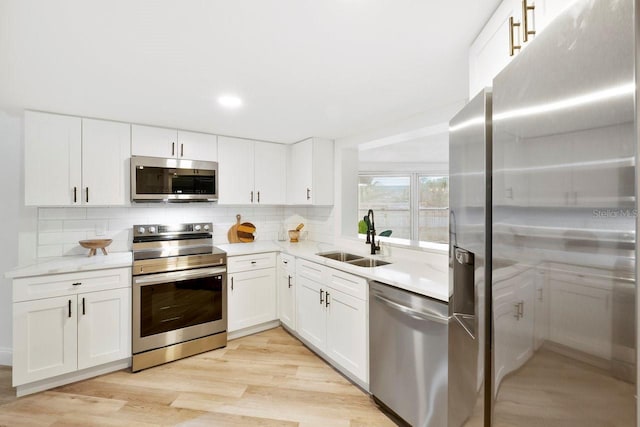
(170, 308)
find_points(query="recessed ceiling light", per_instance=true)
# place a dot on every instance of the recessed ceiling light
(229, 101)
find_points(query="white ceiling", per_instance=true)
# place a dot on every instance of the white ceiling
(331, 68)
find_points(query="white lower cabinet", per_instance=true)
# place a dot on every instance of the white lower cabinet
(312, 321)
(347, 332)
(44, 339)
(251, 293)
(58, 329)
(103, 327)
(332, 315)
(287, 290)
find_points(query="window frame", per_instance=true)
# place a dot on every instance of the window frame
(414, 198)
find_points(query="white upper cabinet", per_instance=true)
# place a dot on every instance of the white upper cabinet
(270, 168)
(53, 156)
(251, 172)
(71, 161)
(492, 49)
(153, 141)
(171, 143)
(311, 166)
(105, 162)
(197, 146)
(514, 24)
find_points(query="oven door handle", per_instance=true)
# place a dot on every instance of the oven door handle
(175, 276)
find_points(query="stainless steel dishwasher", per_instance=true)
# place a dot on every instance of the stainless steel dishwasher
(408, 354)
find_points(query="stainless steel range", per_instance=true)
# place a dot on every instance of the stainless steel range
(179, 293)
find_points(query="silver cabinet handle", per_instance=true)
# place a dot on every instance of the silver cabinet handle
(289, 280)
(76, 284)
(69, 308)
(75, 194)
(87, 191)
(326, 299)
(173, 149)
(231, 282)
(413, 313)
(83, 310)
(308, 193)
(181, 150)
(252, 197)
(321, 296)
(258, 197)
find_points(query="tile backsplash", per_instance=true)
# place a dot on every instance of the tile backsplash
(60, 229)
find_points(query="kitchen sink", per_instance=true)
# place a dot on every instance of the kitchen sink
(368, 262)
(340, 256)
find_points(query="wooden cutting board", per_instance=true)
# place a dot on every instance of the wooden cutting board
(245, 232)
(232, 234)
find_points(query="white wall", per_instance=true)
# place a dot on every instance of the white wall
(10, 194)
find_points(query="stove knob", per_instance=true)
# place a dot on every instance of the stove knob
(206, 227)
(152, 229)
(197, 227)
(141, 230)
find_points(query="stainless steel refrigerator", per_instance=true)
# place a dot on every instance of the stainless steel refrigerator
(543, 199)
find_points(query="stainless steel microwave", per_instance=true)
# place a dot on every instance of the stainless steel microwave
(155, 179)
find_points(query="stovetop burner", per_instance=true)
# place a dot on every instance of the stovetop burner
(162, 248)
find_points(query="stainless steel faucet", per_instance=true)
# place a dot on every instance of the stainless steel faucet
(371, 233)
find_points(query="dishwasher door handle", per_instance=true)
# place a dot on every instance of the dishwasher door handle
(413, 313)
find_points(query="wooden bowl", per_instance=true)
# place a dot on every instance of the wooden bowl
(294, 235)
(95, 244)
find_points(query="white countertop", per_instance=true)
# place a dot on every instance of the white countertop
(420, 277)
(71, 264)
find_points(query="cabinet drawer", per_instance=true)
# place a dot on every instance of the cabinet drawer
(55, 285)
(251, 262)
(288, 263)
(310, 270)
(348, 283)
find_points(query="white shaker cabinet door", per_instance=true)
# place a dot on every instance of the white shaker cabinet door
(347, 332)
(270, 173)
(301, 179)
(490, 52)
(153, 141)
(287, 291)
(251, 298)
(45, 339)
(104, 327)
(106, 148)
(235, 158)
(197, 146)
(52, 152)
(310, 316)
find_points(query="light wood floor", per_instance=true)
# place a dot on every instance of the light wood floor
(267, 379)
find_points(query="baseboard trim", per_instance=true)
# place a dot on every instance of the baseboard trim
(253, 329)
(72, 377)
(6, 357)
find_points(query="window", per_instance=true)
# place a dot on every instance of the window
(409, 206)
